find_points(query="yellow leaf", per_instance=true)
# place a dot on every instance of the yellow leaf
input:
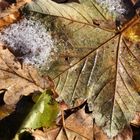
(133, 32)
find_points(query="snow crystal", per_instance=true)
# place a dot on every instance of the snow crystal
(30, 40)
(116, 6)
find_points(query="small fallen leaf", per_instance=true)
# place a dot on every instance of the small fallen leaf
(18, 80)
(43, 113)
(39, 135)
(14, 8)
(136, 120)
(10, 13)
(11, 18)
(5, 110)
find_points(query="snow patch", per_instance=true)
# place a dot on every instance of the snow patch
(30, 40)
(116, 6)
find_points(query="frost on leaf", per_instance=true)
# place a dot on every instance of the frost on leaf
(29, 41)
(18, 80)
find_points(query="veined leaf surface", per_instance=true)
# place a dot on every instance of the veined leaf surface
(43, 113)
(17, 79)
(94, 61)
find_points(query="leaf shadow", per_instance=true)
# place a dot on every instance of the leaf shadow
(10, 124)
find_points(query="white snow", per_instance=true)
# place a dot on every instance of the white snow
(116, 6)
(31, 39)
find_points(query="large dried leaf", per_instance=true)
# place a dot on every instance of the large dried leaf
(84, 10)
(74, 37)
(18, 79)
(95, 62)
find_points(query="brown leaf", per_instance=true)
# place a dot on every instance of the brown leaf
(39, 135)
(3, 5)
(11, 18)
(99, 134)
(18, 80)
(14, 8)
(126, 134)
(5, 110)
(81, 123)
(136, 120)
(10, 13)
(49, 135)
